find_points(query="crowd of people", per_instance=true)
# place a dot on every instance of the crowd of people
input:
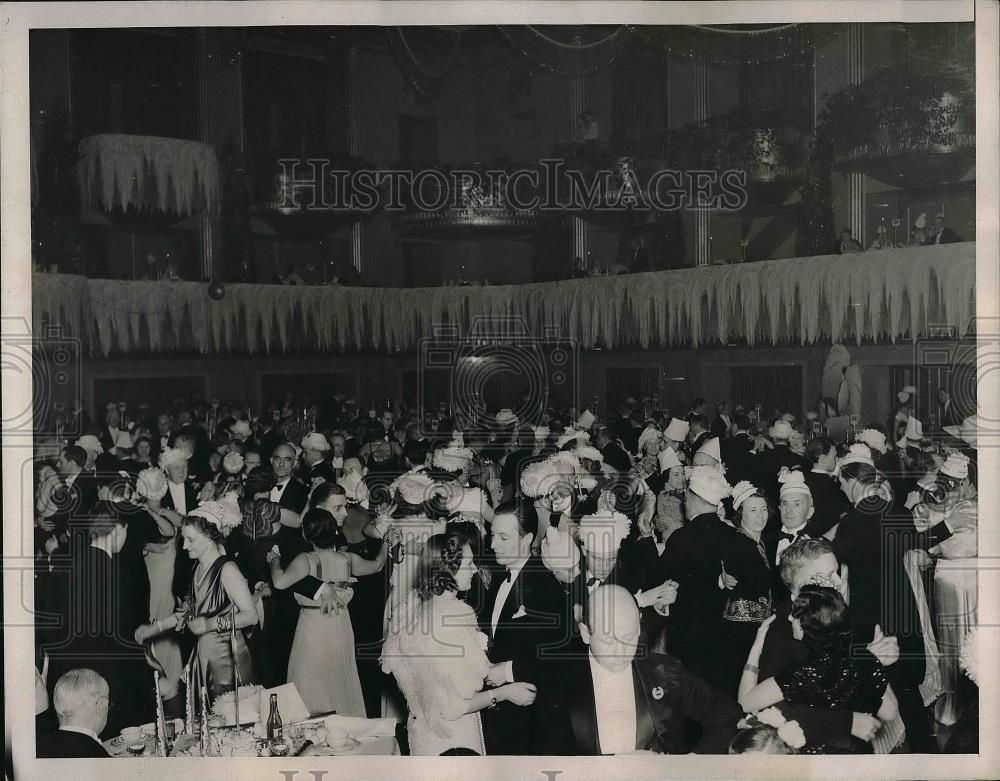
(658, 582)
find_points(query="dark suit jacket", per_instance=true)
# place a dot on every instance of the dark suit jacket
(323, 469)
(767, 465)
(183, 564)
(294, 497)
(829, 503)
(693, 557)
(737, 455)
(532, 641)
(63, 744)
(871, 540)
(568, 710)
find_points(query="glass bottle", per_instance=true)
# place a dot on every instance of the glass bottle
(274, 720)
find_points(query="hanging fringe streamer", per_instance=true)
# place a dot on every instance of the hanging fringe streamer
(889, 294)
(167, 175)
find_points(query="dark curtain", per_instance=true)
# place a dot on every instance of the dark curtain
(769, 386)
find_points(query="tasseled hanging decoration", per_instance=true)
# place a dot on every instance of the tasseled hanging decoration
(888, 293)
(168, 175)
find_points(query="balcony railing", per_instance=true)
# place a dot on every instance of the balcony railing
(885, 295)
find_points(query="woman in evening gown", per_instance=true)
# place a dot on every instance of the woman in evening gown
(219, 605)
(834, 674)
(438, 655)
(322, 664)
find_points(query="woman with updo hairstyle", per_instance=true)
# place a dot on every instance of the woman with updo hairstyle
(746, 576)
(322, 663)
(357, 535)
(437, 654)
(834, 675)
(219, 605)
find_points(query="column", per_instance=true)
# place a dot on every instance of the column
(703, 217)
(354, 145)
(576, 107)
(856, 74)
(206, 227)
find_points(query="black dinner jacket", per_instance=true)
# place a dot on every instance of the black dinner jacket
(295, 496)
(190, 497)
(543, 621)
(533, 626)
(666, 695)
(829, 503)
(63, 744)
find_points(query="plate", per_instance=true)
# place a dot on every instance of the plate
(341, 748)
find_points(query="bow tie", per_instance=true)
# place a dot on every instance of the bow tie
(591, 581)
(787, 536)
(508, 577)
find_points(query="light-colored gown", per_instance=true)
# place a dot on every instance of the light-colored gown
(415, 530)
(955, 605)
(322, 664)
(438, 656)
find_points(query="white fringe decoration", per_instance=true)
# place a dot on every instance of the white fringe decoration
(887, 294)
(168, 174)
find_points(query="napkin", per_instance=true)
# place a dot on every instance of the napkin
(357, 727)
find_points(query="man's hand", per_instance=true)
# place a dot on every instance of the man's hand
(329, 601)
(497, 674)
(883, 648)
(519, 693)
(865, 726)
(727, 580)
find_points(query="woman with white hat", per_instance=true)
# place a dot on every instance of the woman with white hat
(746, 577)
(670, 501)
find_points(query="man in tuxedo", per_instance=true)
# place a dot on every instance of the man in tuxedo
(113, 439)
(722, 424)
(525, 618)
(610, 699)
(164, 433)
(947, 415)
(181, 498)
(101, 620)
(315, 461)
(199, 471)
(737, 451)
(609, 558)
(611, 449)
(768, 463)
(693, 558)
(829, 502)
(78, 493)
(795, 507)
(813, 561)
(281, 610)
(81, 701)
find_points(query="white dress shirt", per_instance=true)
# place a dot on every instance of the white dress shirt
(502, 593)
(782, 544)
(614, 700)
(121, 439)
(279, 489)
(179, 496)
